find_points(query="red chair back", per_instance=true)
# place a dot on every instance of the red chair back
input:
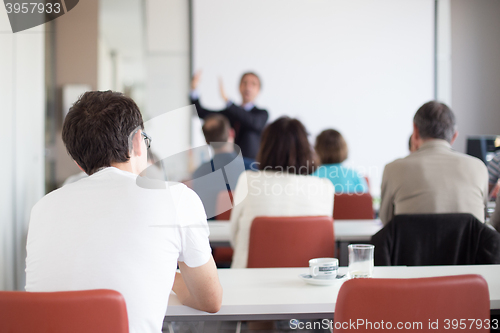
(289, 241)
(353, 206)
(96, 311)
(422, 300)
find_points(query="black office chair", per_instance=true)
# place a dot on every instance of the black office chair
(436, 239)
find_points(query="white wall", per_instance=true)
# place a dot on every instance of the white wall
(167, 78)
(22, 96)
(443, 52)
(363, 67)
(475, 44)
(121, 45)
(105, 66)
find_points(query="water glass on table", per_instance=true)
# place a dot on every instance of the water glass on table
(360, 260)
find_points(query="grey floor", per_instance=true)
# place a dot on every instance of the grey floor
(230, 327)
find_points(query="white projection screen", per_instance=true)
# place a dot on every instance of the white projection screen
(362, 67)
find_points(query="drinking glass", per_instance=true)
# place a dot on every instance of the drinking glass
(360, 260)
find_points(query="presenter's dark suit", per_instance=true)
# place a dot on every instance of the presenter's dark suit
(248, 125)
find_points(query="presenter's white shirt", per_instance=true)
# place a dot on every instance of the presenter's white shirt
(108, 231)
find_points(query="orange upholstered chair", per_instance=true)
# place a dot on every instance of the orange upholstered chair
(422, 300)
(287, 241)
(96, 311)
(353, 206)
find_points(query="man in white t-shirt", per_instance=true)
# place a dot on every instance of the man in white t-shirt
(112, 230)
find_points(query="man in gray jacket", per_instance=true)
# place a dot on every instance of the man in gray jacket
(434, 179)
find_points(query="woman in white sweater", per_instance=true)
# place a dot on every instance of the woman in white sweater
(283, 185)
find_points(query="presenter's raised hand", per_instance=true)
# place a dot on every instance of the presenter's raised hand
(195, 80)
(222, 91)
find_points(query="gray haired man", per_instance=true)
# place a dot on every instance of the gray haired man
(434, 179)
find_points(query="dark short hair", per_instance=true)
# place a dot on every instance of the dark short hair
(251, 73)
(331, 147)
(216, 128)
(435, 120)
(97, 128)
(285, 147)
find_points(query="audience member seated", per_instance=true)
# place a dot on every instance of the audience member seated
(434, 179)
(219, 134)
(332, 151)
(107, 232)
(494, 171)
(282, 186)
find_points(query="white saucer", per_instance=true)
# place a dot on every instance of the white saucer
(319, 282)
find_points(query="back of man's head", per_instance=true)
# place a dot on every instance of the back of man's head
(97, 129)
(216, 128)
(435, 120)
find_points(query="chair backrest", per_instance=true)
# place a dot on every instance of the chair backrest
(415, 303)
(96, 311)
(353, 206)
(290, 241)
(224, 205)
(436, 239)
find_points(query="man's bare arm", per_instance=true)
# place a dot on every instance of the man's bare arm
(199, 287)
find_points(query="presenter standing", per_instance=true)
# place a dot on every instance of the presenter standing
(247, 120)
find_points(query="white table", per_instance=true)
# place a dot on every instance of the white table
(346, 231)
(279, 294)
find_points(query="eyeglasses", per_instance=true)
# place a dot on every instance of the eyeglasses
(147, 139)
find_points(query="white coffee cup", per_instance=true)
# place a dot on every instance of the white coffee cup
(324, 268)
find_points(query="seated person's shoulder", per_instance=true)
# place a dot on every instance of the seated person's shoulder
(323, 187)
(471, 161)
(399, 163)
(52, 197)
(250, 164)
(181, 191)
(326, 183)
(188, 205)
(61, 195)
(311, 179)
(203, 170)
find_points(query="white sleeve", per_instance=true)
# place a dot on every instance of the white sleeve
(193, 229)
